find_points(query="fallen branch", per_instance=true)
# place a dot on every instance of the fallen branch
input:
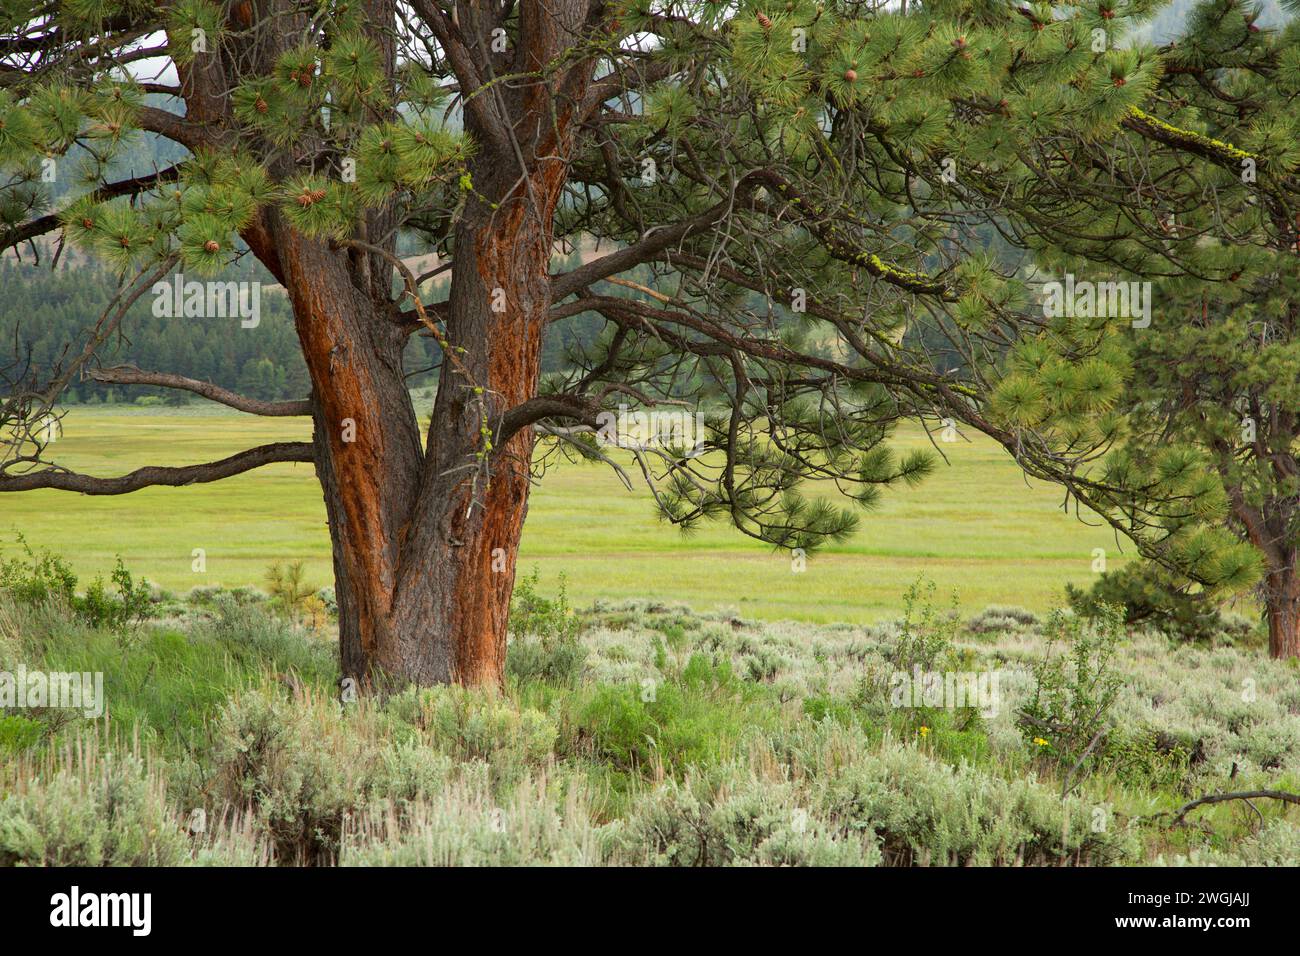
(1239, 795)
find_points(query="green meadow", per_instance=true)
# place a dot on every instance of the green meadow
(976, 527)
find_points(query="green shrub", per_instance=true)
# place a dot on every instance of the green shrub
(253, 637)
(169, 684)
(544, 636)
(557, 662)
(477, 724)
(1149, 596)
(18, 733)
(130, 606)
(997, 619)
(1068, 712)
(407, 772)
(39, 579)
(292, 597)
(44, 578)
(84, 807)
(1143, 758)
(925, 636)
(725, 818)
(532, 615)
(1276, 844)
(540, 824)
(295, 765)
(304, 768)
(953, 736)
(821, 707)
(928, 813)
(586, 764)
(695, 720)
(763, 665)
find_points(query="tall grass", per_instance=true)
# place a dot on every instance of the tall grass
(677, 739)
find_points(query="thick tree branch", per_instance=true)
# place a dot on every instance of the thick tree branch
(657, 241)
(127, 187)
(174, 127)
(1224, 154)
(618, 82)
(538, 409)
(650, 245)
(480, 107)
(151, 476)
(129, 375)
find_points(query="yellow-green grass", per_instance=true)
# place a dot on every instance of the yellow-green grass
(975, 526)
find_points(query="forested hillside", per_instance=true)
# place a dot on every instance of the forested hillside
(44, 308)
(1170, 22)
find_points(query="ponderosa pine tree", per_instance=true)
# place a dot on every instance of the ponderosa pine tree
(804, 182)
(1227, 376)
(1202, 203)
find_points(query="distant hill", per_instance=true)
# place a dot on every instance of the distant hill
(1171, 22)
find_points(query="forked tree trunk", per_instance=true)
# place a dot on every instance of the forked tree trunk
(425, 542)
(425, 539)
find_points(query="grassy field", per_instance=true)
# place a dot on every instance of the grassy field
(975, 526)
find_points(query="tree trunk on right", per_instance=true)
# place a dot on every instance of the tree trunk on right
(1282, 608)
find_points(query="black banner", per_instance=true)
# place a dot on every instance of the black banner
(336, 907)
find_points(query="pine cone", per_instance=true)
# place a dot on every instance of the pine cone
(764, 21)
